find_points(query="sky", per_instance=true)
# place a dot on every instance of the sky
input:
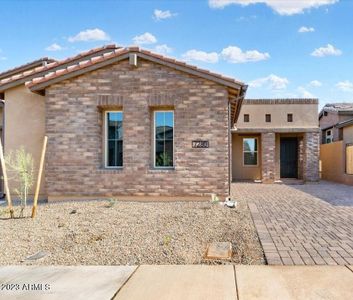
(281, 49)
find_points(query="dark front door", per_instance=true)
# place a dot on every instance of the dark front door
(289, 158)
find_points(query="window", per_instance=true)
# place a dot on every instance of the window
(114, 139)
(246, 118)
(163, 139)
(250, 151)
(325, 113)
(289, 117)
(329, 136)
(268, 118)
(349, 159)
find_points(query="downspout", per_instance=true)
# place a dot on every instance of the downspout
(2, 105)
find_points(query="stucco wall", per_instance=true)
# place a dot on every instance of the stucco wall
(24, 127)
(332, 157)
(239, 171)
(304, 116)
(330, 120)
(348, 134)
(74, 127)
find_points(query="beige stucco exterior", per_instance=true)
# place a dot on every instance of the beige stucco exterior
(24, 126)
(303, 128)
(302, 118)
(333, 161)
(239, 171)
(348, 134)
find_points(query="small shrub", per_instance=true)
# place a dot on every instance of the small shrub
(111, 202)
(21, 168)
(166, 240)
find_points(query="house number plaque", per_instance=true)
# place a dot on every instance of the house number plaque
(200, 144)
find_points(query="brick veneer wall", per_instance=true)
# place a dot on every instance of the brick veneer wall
(74, 127)
(311, 156)
(268, 143)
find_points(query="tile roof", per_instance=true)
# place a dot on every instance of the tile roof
(337, 108)
(40, 83)
(344, 123)
(36, 63)
(28, 74)
(282, 101)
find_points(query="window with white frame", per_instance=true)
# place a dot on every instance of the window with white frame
(163, 139)
(250, 151)
(329, 136)
(114, 139)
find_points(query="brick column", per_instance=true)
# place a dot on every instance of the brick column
(268, 146)
(311, 156)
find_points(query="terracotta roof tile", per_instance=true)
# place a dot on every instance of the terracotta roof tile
(54, 64)
(116, 53)
(24, 67)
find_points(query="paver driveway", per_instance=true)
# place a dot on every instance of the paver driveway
(308, 224)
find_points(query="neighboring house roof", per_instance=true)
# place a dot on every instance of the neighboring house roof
(337, 108)
(344, 123)
(40, 83)
(31, 65)
(282, 101)
(23, 74)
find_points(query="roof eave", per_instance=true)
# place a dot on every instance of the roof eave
(38, 87)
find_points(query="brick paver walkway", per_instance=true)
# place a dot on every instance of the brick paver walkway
(299, 225)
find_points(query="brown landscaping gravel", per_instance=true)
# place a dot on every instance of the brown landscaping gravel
(128, 233)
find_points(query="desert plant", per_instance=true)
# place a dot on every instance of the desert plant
(214, 199)
(20, 166)
(164, 160)
(166, 240)
(111, 202)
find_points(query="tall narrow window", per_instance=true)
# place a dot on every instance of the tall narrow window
(114, 139)
(163, 139)
(246, 118)
(250, 151)
(289, 117)
(268, 118)
(329, 136)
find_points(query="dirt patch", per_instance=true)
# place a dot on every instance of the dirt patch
(129, 233)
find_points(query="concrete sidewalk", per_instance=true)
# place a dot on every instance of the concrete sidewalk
(171, 282)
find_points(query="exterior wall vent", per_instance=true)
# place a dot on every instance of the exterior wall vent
(133, 59)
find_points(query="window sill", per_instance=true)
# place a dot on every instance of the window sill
(162, 170)
(111, 170)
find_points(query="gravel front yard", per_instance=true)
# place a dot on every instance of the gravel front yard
(128, 233)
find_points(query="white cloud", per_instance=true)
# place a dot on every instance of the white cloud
(90, 35)
(235, 55)
(283, 7)
(54, 47)
(272, 82)
(242, 18)
(146, 38)
(346, 86)
(315, 83)
(304, 29)
(209, 57)
(161, 15)
(328, 50)
(163, 49)
(305, 93)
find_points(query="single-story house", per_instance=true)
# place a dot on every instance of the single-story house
(128, 122)
(336, 150)
(276, 139)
